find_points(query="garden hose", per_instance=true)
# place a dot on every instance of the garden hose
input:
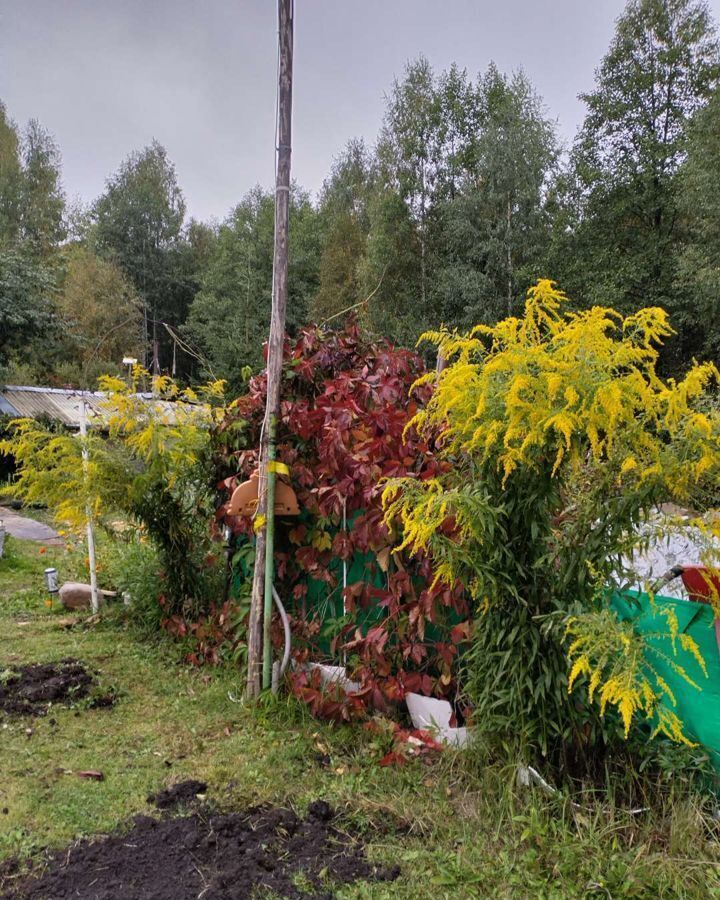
(286, 628)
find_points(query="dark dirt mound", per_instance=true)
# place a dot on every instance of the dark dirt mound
(103, 701)
(185, 792)
(219, 856)
(29, 690)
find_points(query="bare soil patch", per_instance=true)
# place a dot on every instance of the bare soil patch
(183, 793)
(209, 854)
(31, 690)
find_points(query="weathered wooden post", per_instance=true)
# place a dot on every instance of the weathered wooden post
(260, 609)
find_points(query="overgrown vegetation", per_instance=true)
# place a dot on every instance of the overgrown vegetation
(452, 830)
(345, 410)
(463, 527)
(558, 438)
(147, 461)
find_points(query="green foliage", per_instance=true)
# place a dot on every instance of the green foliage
(50, 472)
(558, 437)
(10, 179)
(138, 225)
(154, 468)
(42, 202)
(172, 493)
(100, 311)
(26, 290)
(618, 232)
(176, 518)
(619, 668)
(458, 209)
(390, 270)
(460, 218)
(399, 244)
(495, 226)
(698, 266)
(135, 569)
(453, 829)
(31, 210)
(230, 316)
(16, 569)
(662, 65)
(343, 213)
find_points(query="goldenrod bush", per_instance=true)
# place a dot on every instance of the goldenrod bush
(561, 438)
(148, 460)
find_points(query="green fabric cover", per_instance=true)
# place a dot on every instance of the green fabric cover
(699, 710)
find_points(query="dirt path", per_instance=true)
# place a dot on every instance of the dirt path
(28, 529)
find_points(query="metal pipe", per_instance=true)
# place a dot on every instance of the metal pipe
(269, 557)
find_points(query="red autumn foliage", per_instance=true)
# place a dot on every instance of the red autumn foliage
(406, 743)
(345, 406)
(211, 637)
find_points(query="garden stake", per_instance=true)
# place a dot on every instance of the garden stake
(345, 575)
(269, 558)
(92, 563)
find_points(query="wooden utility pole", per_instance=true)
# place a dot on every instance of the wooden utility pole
(265, 514)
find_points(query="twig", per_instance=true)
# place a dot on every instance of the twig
(101, 342)
(355, 305)
(188, 349)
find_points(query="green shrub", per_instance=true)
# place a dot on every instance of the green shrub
(558, 438)
(154, 468)
(135, 570)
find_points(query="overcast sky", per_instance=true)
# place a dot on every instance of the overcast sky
(108, 76)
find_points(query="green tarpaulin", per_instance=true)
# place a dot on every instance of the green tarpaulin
(699, 710)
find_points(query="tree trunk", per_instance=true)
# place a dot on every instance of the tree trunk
(508, 236)
(155, 353)
(277, 334)
(422, 242)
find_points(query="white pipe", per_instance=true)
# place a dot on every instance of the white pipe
(94, 595)
(286, 628)
(277, 672)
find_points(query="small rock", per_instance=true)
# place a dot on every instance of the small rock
(75, 595)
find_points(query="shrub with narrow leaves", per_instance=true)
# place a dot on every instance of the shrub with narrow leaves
(558, 437)
(149, 462)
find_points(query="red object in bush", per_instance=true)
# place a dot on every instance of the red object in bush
(701, 584)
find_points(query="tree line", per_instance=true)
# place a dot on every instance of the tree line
(465, 199)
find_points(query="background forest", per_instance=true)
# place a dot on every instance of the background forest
(465, 199)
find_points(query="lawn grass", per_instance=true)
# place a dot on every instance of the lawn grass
(454, 833)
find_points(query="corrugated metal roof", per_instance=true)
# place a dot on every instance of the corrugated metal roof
(62, 405)
(52, 403)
